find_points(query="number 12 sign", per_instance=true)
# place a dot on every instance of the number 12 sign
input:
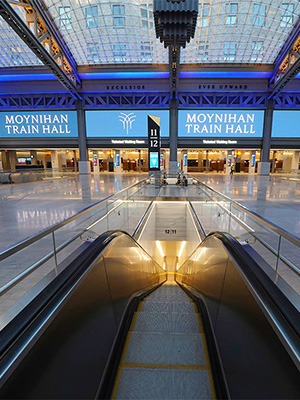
(154, 142)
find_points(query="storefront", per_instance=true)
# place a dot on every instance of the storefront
(118, 140)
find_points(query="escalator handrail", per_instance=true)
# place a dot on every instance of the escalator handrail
(34, 238)
(277, 304)
(60, 284)
(263, 221)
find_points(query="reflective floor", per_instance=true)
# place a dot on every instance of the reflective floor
(28, 208)
(275, 198)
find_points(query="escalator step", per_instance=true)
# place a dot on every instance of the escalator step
(167, 322)
(163, 383)
(165, 355)
(165, 348)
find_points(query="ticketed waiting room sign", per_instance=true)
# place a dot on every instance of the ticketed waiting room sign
(23, 124)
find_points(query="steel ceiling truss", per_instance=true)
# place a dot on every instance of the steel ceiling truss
(147, 100)
(287, 65)
(32, 102)
(136, 100)
(40, 36)
(227, 100)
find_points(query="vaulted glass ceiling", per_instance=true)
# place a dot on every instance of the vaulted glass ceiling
(122, 32)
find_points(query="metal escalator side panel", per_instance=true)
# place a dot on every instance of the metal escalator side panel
(71, 337)
(255, 362)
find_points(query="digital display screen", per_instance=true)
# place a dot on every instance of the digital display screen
(154, 160)
(252, 160)
(22, 124)
(220, 123)
(185, 160)
(229, 160)
(117, 159)
(124, 124)
(286, 123)
(21, 160)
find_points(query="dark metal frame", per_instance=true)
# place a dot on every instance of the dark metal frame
(71, 80)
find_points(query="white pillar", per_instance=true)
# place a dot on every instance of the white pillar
(295, 160)
(263, 168)
(84, 167)
(54, 162)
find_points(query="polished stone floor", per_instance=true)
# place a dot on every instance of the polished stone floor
(275, 198)
(28, 208)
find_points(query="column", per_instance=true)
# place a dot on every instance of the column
(54, 162)
(33, 155)
(1, 161)
(184, 161)
(295, 161)
(62, 158)
(118, 161)
(173, 136)
(96, 162)
(273, 162)
(84, 164)
(228, 166)
(12, 155)
(206, 162)
(75, 161)
(264, 164)
(251, 163)
(139, 166)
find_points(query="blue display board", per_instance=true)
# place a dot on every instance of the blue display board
(23, 124)
(124, 123)
(220, 123)
(286, 124)
(154, 157)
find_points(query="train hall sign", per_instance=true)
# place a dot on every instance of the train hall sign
(221, 124)
(38, 124)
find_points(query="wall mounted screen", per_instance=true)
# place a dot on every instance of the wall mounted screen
(220, 123)
(124, 123)
(23, 124)
(286, 123)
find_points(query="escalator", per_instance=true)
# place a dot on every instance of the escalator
(112, 325)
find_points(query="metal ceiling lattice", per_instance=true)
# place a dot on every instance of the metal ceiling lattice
(122, 32)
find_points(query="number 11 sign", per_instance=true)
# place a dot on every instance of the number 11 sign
(154, 143)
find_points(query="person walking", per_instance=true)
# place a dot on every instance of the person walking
(231, 169)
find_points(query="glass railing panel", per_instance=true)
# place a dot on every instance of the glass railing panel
(38, 257)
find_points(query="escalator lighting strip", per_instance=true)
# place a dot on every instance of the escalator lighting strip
(181, 248)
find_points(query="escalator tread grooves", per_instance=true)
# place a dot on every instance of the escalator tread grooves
(108, 380)
(215, 361)
(10, 334)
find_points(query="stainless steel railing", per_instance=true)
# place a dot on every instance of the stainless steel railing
(115, 201)
(228, 206)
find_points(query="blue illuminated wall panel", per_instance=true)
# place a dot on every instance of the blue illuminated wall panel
(286, 124)
(221, 123)
(124, 123)
(24, 124)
